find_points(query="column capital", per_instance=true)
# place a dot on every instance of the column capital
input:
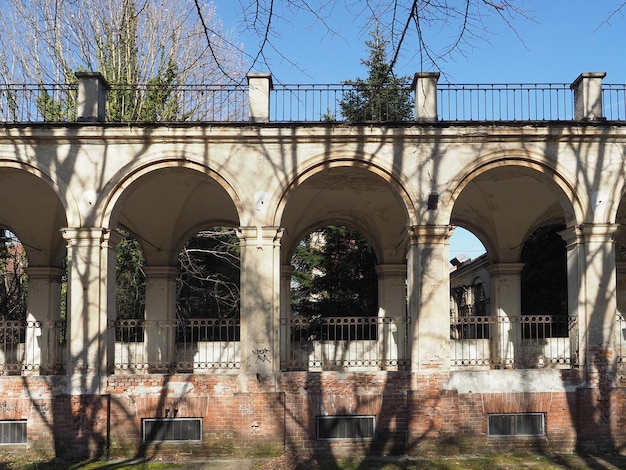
(391, 270)
(86, 235)
(504, 269)
(169, 272)
(261, 235)
(432, 234)
(44, 272)
(585, 233)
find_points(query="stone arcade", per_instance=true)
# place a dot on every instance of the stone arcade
(67, 187)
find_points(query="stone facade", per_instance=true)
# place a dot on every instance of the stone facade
(403, 185)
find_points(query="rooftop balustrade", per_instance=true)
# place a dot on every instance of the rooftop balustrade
(93, 99)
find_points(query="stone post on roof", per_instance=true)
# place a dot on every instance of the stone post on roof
(425, 88)
(92, 96)
(259, 87)
(588, 96)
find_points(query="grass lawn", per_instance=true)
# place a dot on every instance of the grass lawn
(503, 461)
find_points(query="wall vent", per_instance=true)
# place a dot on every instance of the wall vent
(516, 424)
(172, 429)
(13, 432)
(345, 427)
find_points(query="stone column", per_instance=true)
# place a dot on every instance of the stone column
(506, 302)
(425, 88)
(429, 296)
(90, 305)
(160, 316)
(588, 96)
(260, 299)
(259, 87)
(592, 291)
(43, 314)
(392, 336)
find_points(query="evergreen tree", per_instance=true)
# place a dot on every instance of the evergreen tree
(130, 279)
(335, 275)
(381, 96)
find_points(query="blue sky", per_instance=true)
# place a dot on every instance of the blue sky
(559, 40)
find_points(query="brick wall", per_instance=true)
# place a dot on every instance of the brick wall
(250, 415)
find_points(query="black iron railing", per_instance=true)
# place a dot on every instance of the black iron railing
(526, 341)
(191, 345)
(177, 103)
(28, 103)
(505, 102)
(32, 347)
(344, 343)
(38, 103)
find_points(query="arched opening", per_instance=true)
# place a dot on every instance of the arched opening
(187, 304)
(545, 325)
(14, 280)
(544, 275)
(13, 300)
(335, 320)
(28, 343)
(334, 275)
(208, 301)
(523, 278)
(209, 281)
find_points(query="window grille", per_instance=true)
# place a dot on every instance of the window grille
(516, 424)
(172, 429)
(13, 432)
(345, 427)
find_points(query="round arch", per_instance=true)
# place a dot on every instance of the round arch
(126, 176)
(345, 191)
(504, 199)
(38, 211)
(163, 202)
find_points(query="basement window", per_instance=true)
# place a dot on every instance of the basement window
(516, 425)
(13, 432)
(345, 427)
(172, 429)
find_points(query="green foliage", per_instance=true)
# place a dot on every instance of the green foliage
(13, 279)
(335, 275)
(159, 104)
(119, 58)
(130, 279)
(59, 109)
(209, 281)
(118, 55)
(381, 96)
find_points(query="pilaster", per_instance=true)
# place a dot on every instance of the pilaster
(160, 316)
(506, 304)
(392, 298)
(43, 314)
